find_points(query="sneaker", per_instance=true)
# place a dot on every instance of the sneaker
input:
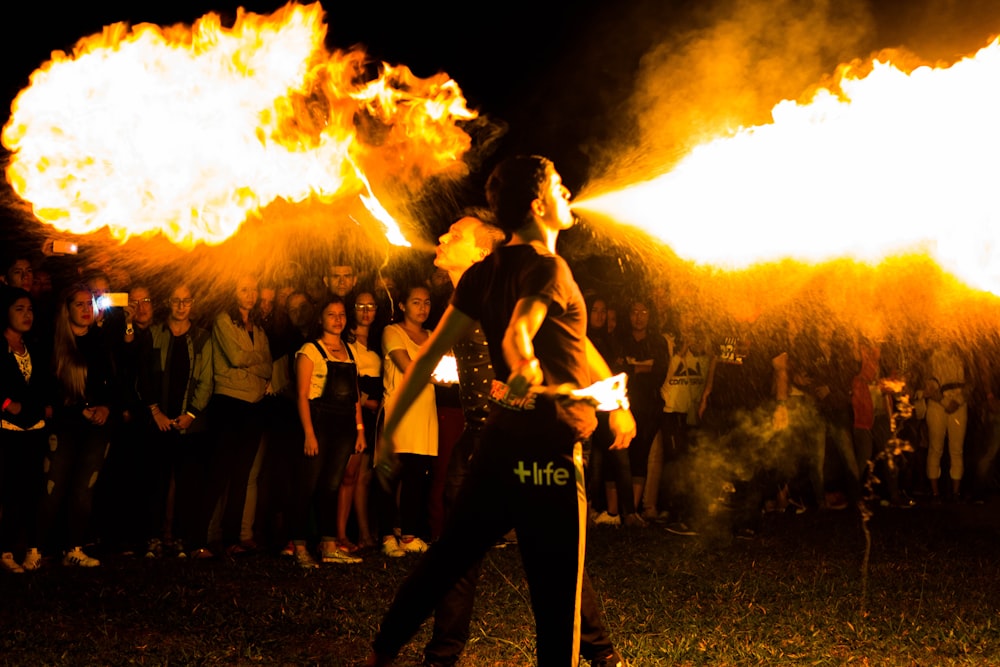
(32, 560)
(348, 546)
(747, 534)
(202, 554)
(8, 563)
(288, 551)
(650, 514)
(234, 550)
(76, 558)
(413, 546)
(305, 560)
(391, 548)
(154, 548)
(337, 555)
(635, 521)
(605, 519)
(903, 502)
(681, 528)
(836, 501)
(178, 549)
(612, 659)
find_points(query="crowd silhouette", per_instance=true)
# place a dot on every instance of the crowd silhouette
(172, 422)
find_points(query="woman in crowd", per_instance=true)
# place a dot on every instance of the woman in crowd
(86, 398)
(330, 411)
(175, 385)
(416, 444)
(241, 359)
(354, 487)
(609, 470)
(24, 379)
(946, 387)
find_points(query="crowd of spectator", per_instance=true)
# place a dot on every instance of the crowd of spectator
(174, 423)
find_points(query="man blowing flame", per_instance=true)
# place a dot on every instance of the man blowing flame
(528, 470)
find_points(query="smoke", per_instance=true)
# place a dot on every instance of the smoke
(737, 60)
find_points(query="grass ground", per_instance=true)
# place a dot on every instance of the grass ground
(796, 595)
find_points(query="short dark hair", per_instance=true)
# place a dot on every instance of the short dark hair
(513, 185)
(488, 235)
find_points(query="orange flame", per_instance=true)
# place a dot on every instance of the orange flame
(187, 131)
(605, 395)
(446, 371)
(885, 164)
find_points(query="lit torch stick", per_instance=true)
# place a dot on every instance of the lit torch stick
(605, 395)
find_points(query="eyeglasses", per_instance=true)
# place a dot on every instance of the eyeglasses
(181, 302)
(137, 302)
(365, 306)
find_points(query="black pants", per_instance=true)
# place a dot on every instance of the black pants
(320, 475)
(75, 459)
(413, 485)
(238, 426)
(609, 465)
(453, 615)
(534, 485)
(178, 457)
(21, 482)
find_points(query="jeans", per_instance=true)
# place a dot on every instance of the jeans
(72, 466)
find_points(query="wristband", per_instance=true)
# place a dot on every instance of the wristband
(6, 404)
(129, 330)
(361, 427)
(190, 415)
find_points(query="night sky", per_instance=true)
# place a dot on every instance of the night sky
(558, 78)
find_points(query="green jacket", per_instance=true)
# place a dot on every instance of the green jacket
(154, 382)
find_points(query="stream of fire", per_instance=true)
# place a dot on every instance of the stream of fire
(191, 132)
(883, 163)
(188, 131)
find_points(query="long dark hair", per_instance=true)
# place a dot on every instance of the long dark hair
(327, 302)
(233, 307)
(405, 294)
(10, 296)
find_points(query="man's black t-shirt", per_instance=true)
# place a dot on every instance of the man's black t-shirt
(488, 292)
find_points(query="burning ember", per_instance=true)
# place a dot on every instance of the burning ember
(446, 372)
(187, 131)
(881, 164)
(605, 395)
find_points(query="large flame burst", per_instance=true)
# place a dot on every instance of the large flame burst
(878, 165)
(186, 131)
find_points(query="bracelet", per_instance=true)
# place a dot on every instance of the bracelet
(6, 404)
(129, 330)
(190, 415)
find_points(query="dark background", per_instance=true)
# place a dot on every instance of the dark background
(554, 77)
